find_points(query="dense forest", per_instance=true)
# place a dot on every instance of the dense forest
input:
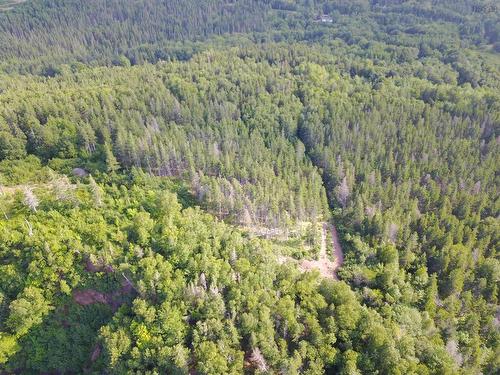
(166, 166)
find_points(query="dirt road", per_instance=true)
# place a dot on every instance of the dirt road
(326, 267)
(338, 254)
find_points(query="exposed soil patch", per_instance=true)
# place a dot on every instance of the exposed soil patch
(95, 353)
(89, 297)
(114, 299)
(326, 267)
(337, 249)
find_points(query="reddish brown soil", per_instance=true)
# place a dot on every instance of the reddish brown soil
(89, 297)
(96, 353)
(114, 299)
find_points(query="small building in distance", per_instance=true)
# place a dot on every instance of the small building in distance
(324, 18)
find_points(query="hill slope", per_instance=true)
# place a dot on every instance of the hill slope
(166, 157)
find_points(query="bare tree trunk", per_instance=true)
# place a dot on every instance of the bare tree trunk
(30, 228)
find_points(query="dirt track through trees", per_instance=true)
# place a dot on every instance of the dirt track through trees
(338, 254)
(326, 267)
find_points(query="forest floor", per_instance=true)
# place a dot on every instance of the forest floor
(324, 264)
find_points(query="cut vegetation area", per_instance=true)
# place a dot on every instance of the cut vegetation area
(330, 256)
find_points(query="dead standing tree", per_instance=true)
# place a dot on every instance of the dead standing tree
(30, 199)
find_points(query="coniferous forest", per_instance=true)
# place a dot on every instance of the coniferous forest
(249, 187)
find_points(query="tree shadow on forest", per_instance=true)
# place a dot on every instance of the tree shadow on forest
(66, 341)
